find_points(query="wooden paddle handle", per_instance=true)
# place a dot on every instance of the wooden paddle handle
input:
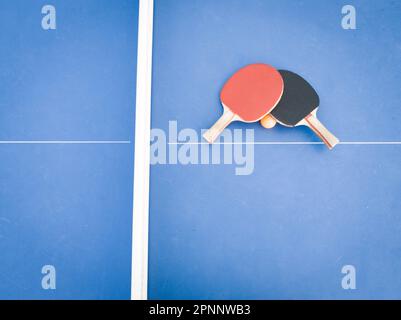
(212, 134)
(327, 137)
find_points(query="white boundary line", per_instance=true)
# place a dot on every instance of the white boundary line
(140, 215)
(65, 142)
(194, 143)
(292, 143)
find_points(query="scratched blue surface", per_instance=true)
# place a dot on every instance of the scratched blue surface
(286, 230)
(67, 205)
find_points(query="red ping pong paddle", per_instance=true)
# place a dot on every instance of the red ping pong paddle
(249, 95)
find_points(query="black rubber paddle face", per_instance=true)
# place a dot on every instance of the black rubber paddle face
(299, 100)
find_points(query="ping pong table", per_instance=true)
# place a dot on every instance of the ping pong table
(264, 214)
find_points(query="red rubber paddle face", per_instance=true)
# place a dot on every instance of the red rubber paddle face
(253, 91)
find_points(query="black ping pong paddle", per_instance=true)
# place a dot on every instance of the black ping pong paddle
(298, 106)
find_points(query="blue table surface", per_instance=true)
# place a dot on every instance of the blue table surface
(67, 205)
(284, 231)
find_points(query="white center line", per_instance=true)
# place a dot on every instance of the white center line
(290, 143)
(195, 143)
